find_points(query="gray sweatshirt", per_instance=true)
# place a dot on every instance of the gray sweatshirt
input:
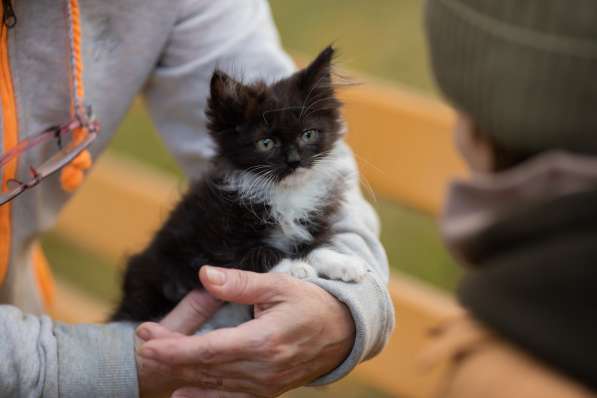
(166, 50)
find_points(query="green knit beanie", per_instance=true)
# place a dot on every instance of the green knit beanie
(524, 70)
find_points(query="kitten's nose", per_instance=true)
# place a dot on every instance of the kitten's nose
(294, 159)
(294, 164)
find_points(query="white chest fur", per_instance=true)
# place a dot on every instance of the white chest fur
(296, 199)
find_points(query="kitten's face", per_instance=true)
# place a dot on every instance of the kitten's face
(278, 130)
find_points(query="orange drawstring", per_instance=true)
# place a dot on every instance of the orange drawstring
(73, 174)
(43, 276)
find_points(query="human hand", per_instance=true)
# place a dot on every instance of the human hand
(300, 332)
(193, 310)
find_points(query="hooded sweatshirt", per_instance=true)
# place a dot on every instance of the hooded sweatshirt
(167, 51)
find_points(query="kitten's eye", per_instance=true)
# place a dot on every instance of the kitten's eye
(265, 145)
(309, 136)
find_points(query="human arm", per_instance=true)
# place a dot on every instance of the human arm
(355, 232)
(238, 37)
(41, 357)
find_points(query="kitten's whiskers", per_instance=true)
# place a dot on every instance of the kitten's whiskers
(307, 112)
(316, 85)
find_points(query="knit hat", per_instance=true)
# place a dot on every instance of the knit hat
(524, 70)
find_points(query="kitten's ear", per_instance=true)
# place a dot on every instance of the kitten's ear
(224, 88)
(225, 104)
(319, 72)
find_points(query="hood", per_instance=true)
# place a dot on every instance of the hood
(473, 208)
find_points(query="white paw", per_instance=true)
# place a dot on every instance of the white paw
(283, 266)
(337, 266)
(350, 270)
(297, 268)
(302, 270)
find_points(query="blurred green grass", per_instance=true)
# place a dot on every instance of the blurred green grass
(382, 39)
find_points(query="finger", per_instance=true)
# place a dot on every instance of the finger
(250, 371)
(247, 341)
(246, 376)
(192, 312)
(191, 392)
(151, 330)
(201, 377)
(149, 366)
(245, 287)
(259, 381)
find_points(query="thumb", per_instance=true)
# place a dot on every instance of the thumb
(151, 330)
(244, 287)
(192, 311)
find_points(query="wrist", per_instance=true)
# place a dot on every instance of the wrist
(351, 314)
(342, 331)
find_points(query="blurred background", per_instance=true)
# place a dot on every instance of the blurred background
(381, 43)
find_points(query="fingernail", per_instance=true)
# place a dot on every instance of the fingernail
(143, 334)
(148, 353)
(215, 276)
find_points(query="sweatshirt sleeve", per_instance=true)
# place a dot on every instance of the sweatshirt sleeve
(242, 40)
(41, 357)
(237, 37)
(356, 233)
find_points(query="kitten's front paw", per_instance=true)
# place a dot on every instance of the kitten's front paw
(337, 266)
(302, 270)
(297, 268)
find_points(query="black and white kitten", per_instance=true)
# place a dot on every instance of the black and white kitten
(268, 200)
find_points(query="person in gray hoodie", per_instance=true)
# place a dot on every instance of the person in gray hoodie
(57, 57)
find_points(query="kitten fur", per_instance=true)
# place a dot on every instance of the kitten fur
(268, 199)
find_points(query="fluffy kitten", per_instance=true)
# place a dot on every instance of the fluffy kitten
(268, 200)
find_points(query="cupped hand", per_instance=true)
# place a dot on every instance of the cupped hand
(194, 310)
(300, 332)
